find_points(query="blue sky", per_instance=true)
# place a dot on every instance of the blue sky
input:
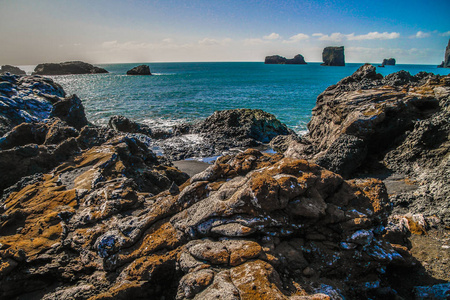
(100, 31)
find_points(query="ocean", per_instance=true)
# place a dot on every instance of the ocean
(186, 92)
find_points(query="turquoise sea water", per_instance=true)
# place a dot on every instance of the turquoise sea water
(180, 92)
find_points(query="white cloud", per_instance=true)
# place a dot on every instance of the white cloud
(272, 36)
(297, 38)
(373, 36)
(334, 37)
(214, 42)
(445, 33)
(421, 35)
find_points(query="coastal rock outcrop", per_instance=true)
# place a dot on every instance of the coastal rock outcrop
(123, 124)
(12, 70)
(388, 62)
(280, 60)
(396, 124)
(67, 68)
(106, 225)
(29, 99)
(447, 56)
(140, 70)
(333, 56)
(223, 130)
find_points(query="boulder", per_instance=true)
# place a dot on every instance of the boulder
(280, 60)
(140, 70)
(12, 70)
(67, 68)
(123, 124)
(333, 56)
(388, 62)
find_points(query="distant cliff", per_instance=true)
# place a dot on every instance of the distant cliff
(280, 60)
(333, 56)
(446, 62)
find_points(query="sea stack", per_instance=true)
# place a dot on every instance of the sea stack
(388, 62)
(67, 68)
(447, 56)
(140, 70)
(333, 56)
(280, 60)
(12, 70)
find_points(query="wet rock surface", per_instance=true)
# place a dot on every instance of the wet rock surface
(67, 68)
(222, 131)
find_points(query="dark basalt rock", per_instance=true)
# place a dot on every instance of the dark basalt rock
(140, 70)
(333, 56)
(447, 56)
(123, 124)
(67, 68)
(396, 124)
(12, 70)
(388, 62)
(280, 60)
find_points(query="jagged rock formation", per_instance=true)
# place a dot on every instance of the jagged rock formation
(388, 62)
(12, 70)
(140, 70)
(280, 60)
(399, 120)
(93, 229)
(447, 56)
(333, 56)
(67, 68)
(241, 128)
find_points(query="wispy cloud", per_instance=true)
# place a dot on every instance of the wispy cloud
(297, 38)
(338, 37)
(445, 33)
(374, 36)
(272, 36)
(214, 42)
(334, 37)
(421, 35)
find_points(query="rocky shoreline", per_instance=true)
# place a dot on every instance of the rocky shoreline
(346, 211)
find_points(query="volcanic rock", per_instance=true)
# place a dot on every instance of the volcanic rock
(123, 124)
(67, 68)
(333, 56)
(396, 124)
(28, 99)
(140, 70)
(280, 60)
(447, 56)
(12, 70)
(251, 226)
(388, 62)
(236, 128)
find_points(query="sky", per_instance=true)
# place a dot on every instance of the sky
(113, 31)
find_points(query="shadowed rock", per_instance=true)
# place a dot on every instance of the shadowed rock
(140, 70)
(12, 70)
(280, 60)
(67, 68)
(333, 56)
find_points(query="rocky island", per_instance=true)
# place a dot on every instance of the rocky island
(388, 62)
(140, 70)
(67, 68)
(280, 60)
(91, 212)
(12, 70)
(446, 62)
(333, 56)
